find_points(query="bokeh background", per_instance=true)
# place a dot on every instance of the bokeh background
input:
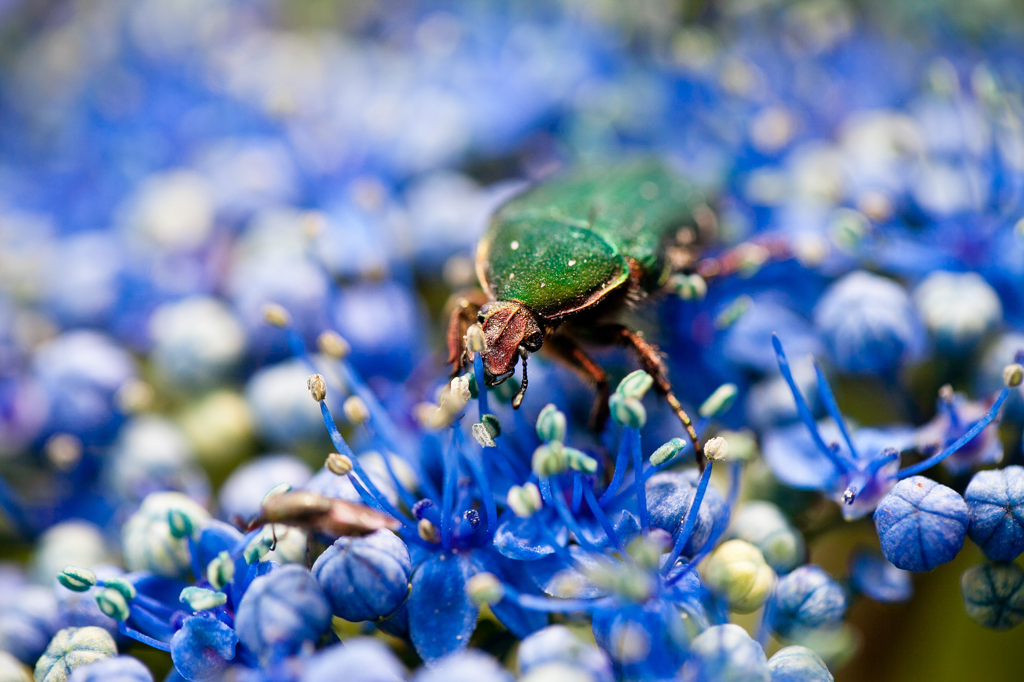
(167, 167)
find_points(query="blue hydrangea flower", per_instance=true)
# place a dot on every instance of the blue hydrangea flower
(725, 653)
(805, 599)
(958, 309)
(557, 644)
(869, 324)
(955, 416)
(116, 669)
(280, 612)
(798, 664)
(361, 660)
(241, 495)
(921, 524)
(995, 504)
(860, 474)
(465, 666)
(365, 578)
(29, 622)
(874, 577)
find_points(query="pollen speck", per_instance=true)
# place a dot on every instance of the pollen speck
(514, 245)
(542, 285)
(572, 263)
(511, 276)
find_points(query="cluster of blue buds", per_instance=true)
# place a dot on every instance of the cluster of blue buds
(229, 451)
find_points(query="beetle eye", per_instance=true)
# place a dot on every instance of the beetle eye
(533, 342)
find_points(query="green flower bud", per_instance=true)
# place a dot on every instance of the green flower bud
(485, 588)
(524, 501)
(627, 411)
(112, 603)
(719, 402)
(201, 599)
(76, 578)
(550, 459)
(580, 461)
(221, 571)
(737, 571)
(126, 589)
(72, 648)
(635, 384)
(994, 595)
(180, 523)
(551, 424)
(667, 451)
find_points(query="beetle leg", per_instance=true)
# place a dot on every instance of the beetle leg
(565, 348)
(464, 307)
(652, 363)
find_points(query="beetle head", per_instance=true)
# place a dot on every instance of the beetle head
(511, 330)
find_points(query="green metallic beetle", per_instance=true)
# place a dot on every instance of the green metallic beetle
(560, 262)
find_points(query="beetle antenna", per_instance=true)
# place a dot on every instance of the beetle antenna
(517, 399)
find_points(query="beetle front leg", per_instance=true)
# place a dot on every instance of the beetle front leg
(652, 363)
(464, 308)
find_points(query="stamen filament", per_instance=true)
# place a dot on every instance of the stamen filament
(691, 519)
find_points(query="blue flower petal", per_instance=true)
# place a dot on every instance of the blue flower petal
(527, 539)
(874, 577)
(795, 460)
(202, 647)
(441, 614)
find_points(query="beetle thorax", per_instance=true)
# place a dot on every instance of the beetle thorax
(510, 329)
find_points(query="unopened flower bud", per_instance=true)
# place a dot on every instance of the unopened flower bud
(1013, 374)
(551, 424)
(221, 571)
(716, 449)
(333, 345)
(635, 384)
(549, 460)
(476, 340)
(485, 588)
(737, 571)
(201, 599)
(122, 585)
(667, 451)
(525, 500)
(355, 410)
(276, 315)
(719, 402)
(76, 578)
(112, 603)
(627, 411)
(427, 531)
(338, 464)
(317, 387)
